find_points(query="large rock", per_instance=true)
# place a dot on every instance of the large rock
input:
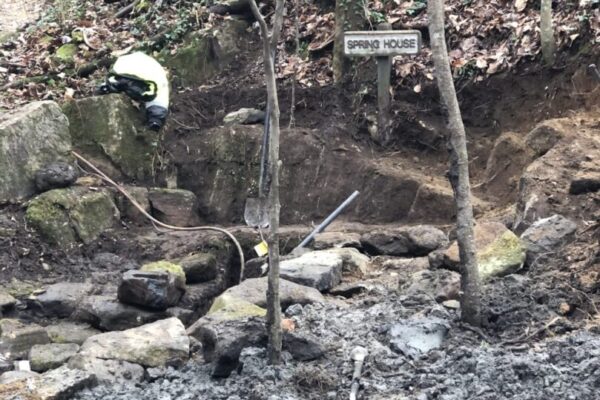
(108, 371)
(160, 343)
(43, 357)
(545, 136)
(110, 130)
(245, 116)
(319, 269)
(106, 313)
(30, 137)
(58, 384)
(499, 251)
(327, 240)
(14, 376)
(59, 300)
(231, 307)
(546, 236)
(157, 290)
(545, 186)
(70, 332)
(6, 301)
(198, 267)
(128, 210)
(64, 216)
(441, 284)
(17, 338)
(411, 241)
(205, 53)
(255, 291)
(56, 175)
(174, 206)
(224, 338)
(506, 163)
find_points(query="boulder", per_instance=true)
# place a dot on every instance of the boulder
(160, 343)
(174, 206)
(6, 301)
(223, 339)
(64, 216)
(544, 137)
(14, 376)
(231, 307)
(185, 315)
(417, 336)
(17, 338)
(349, 289)
(414, 241)
(441, 284)
(57, 384)
(199, 297)
(499, 251)
(127, 209)
(30, 137)
(157, 290)
(59, 300)
(198, 267)
(409, 264)
(319, 269)
(110, 131)
(70, 332)
(56, 175)
(303, 347)
(545, 187)
(546, 236)
(205, 53)
(168, 267)
(327, 240)
(255, 291)
(353, 261)
(509, 157)
(43, 357)
(222, 7)
(245, 116)
(108, 371)
(106, 313)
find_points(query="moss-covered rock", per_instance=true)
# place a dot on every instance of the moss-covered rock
(30, 137)
(66, 53)
(206, 52)
(504, 255)
(499, 251)
(110, 129)
(166, 266)
(231, 307)
(64, 216)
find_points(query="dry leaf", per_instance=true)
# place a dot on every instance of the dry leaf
(417, 88)
(520, 5)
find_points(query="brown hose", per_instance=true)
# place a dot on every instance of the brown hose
(105, 178)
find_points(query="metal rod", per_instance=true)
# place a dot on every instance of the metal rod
(328, 220)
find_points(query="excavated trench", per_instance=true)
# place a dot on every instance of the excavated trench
(530, 346)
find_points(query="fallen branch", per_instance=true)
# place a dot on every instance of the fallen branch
(125, 11)
(22, 82)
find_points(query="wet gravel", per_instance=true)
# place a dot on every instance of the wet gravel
(464, 367)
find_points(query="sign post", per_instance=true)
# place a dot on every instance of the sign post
(382, 44)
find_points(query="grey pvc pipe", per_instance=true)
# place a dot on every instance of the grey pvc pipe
(329, 219)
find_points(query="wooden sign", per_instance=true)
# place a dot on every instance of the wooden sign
(381, 43)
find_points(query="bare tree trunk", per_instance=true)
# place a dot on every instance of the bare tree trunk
(459, 167)
(349, 15)
(547, 32)
(273, 300)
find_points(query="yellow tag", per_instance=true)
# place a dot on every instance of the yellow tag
(262, 249)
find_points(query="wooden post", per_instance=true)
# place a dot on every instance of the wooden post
(384, 71)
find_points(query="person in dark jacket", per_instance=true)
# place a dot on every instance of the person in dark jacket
(142, 78)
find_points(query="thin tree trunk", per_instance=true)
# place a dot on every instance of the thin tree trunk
(547, 32)
(349, 15)
(459, 167)
(273, 300)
